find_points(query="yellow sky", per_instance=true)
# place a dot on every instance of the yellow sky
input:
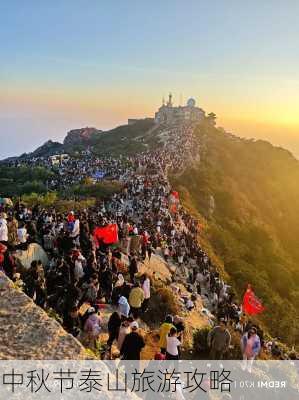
(274, 118)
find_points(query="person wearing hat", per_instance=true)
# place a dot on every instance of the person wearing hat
(133, 344)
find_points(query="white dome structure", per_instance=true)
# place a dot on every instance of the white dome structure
(191, 102)
(170, 114)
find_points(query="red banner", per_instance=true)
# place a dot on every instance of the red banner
(173, 208)
(251, 304)
(107, 234)
(175, 194)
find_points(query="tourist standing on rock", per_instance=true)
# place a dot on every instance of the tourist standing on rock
(106, 281)
(250, 347)
(146, 287)
(124, 330)
(136, 299)
(133, 344)
(75, 232)
(3, 250)
(133, 267)
(218, 341)
(92, 329)
(72, 321)
(22, 236)
(163, 333)
(113, 328)
(91, 289)
(123, 307)
(40, 285)
(172, 345)
(179, 325)
(12, 225)
(3, 229)
(150, 251)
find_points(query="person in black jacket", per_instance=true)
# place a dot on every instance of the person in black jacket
(133, 344)
(106, 282)
(113, 328)
(133, 268)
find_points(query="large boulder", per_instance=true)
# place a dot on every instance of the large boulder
(33, 252)
(80, 136)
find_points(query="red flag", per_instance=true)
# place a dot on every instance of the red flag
(251, 304)
(108, 234)
(173, 208)
(3, 248)
(175, 194)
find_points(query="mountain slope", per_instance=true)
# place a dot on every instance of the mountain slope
(125, 139)
(254, 227)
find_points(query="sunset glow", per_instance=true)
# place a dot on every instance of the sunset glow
(237, 61)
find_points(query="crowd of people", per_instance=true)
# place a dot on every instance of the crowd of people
(84, 272)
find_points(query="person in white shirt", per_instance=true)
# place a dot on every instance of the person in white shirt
(78, 270)
(172, 351)
(3, 230)
(76, 230)
(146, 287)
(22, 235)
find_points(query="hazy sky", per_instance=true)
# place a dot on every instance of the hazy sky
(66, 64)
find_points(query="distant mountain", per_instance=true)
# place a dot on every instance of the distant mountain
(125, 139)
(47, 149)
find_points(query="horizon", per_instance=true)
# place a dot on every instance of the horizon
(66, 67)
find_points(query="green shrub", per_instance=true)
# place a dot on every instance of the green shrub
(46, 200)
(33, 187)
(102, 189)
(51, 199)
(162, 302)
(63, 206)
(200, 342)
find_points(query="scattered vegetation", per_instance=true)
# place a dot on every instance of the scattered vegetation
(123, 139)
(23, 180)
(51, 199)
(254, 227)
(200, 341)
(98, 190)
(163, 302)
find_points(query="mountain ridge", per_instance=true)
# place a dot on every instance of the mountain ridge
(79, 139)
(252, 224)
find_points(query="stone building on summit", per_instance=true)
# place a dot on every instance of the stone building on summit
(169, 114)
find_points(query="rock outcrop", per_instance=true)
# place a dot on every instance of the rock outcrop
(27, 332)
(80, 136)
